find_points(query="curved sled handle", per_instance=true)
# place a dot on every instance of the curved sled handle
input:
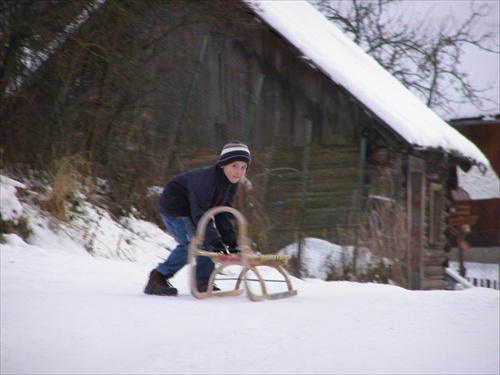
(246, 258)
(242, 226)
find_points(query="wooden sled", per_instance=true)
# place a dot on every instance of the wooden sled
(246, 258)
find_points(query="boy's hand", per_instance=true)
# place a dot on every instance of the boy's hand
(219, 247)
(233, 248)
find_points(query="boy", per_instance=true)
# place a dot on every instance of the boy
(184, 200)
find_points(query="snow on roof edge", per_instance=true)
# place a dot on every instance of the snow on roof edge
(347, 65)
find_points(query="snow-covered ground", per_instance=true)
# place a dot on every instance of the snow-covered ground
(64, 311)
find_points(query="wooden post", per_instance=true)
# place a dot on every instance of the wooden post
(253, 104)
(361, 166)
(303, 195)
(462, 270)
(415, 206)
(460, 222)
(359, 195)
(270, 157)
(174, 145)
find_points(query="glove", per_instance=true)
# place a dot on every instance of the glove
(233, 248)
(219, 247)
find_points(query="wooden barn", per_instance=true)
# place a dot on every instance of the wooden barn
(342, 151)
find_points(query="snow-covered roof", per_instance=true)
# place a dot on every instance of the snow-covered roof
(346, 64)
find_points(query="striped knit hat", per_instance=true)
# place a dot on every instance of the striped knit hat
(234, 151)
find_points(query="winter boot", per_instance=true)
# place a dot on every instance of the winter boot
(159, 285)
(202, 288)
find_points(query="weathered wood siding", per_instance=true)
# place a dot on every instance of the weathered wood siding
(433, 251)
(328, 199)
(299, 92)
(221, 101)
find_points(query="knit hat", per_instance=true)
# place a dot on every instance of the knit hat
(234, 151)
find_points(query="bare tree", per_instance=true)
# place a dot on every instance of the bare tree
(102, 79)
(422, 54)
(31, 31)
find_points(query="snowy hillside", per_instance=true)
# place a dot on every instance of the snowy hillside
(64, 311)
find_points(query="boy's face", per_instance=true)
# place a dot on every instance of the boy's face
(235, 171)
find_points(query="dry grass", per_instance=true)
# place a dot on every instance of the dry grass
(67, 179)
(19, 227)
(383, 231)
(380, 228)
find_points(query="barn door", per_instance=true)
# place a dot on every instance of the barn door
(416, 196)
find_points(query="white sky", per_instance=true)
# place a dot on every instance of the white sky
(483, 67)
(66, 312)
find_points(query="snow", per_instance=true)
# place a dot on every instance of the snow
(327, 257)
(349, 66)
(64, 311)
(480, 186)
(481, 272)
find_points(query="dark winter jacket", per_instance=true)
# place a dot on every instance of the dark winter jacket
(193, 193)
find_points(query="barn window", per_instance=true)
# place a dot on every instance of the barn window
(436, 207)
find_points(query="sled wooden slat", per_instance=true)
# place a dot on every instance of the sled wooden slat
(246, 258)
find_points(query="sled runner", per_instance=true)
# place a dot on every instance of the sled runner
(246, 258)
